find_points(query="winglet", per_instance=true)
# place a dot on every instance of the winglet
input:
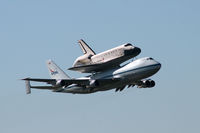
(85, 48)
(28, 86)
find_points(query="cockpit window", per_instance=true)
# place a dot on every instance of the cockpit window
(128, 45)
(149, 58)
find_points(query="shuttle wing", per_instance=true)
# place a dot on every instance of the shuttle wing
(94, 67)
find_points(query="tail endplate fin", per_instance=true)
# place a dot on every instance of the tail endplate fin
(28, 87)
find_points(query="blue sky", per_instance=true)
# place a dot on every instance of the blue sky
(33, 31)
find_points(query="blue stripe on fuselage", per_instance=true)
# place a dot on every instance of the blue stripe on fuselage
(130, 70)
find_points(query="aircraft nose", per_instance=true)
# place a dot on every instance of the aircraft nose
(137, 50)
(158, 66)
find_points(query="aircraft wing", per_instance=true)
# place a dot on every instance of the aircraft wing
(56, 84)
(66, 81)
(62, 83)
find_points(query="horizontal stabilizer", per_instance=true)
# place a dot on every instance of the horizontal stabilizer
(53, 81)
(45, 87)
(49, 81)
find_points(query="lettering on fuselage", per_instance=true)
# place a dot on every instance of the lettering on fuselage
(54, 73)
(107, 56)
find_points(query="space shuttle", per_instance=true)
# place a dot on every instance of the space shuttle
(91, 62)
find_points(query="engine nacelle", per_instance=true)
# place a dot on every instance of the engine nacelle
(152, 83)
(146, 84)
(60, 83)
(94, 83)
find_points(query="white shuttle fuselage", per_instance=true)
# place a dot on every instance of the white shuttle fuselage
(91, 62)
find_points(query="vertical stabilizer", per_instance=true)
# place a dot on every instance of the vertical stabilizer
(85, 48)
(55, 72)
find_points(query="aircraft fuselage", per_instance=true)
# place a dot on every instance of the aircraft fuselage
(128, 74)
(106, 59)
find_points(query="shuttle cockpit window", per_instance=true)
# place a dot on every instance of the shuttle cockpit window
(149, 58)
(128, 45)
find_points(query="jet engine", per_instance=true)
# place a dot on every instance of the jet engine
(60, 83)
(94, 83)
(146, 84)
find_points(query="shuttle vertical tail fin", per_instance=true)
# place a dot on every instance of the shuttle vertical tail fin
(85, 48)
(55, 71)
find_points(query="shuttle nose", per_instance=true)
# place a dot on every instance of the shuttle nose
(137, 50)
(132, 52)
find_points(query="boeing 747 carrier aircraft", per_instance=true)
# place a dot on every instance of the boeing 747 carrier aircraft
(134, 73)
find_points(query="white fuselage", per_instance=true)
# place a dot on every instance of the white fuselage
(120, 54)
(135, 71)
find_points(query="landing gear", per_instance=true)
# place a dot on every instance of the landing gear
(131, 85)
(120, 88)
(116, 89)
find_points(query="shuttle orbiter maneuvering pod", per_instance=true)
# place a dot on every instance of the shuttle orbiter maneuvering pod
(92, 62)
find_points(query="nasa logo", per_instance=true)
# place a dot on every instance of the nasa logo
(53, 72)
